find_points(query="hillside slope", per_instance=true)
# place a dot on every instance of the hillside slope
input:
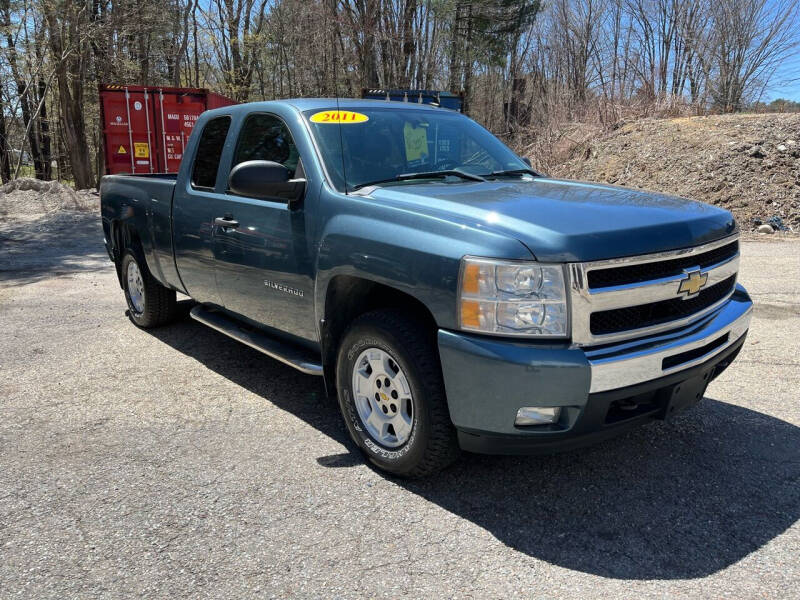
(749, 164)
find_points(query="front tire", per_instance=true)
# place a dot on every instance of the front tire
(392, 397)
(150, 304)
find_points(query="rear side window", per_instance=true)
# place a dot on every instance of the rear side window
(209, 151)
(266, 137)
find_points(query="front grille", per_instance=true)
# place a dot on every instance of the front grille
(656, 313)
(612, 276)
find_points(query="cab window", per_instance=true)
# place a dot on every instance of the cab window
(209, 151)
(266, 137)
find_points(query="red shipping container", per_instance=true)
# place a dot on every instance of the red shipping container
(145, 129)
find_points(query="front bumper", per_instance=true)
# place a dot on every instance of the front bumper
(602, 391)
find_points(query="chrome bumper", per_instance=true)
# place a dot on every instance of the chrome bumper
(624, 364)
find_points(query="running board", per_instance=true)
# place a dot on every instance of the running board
(301, 359)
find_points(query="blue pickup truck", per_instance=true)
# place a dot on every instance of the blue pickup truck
(451, 297)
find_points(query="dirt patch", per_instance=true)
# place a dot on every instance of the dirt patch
(748, 164)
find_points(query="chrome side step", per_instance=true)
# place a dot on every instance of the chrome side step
(300, 358)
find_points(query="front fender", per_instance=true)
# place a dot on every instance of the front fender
(404, 253)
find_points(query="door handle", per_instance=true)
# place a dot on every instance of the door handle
(226, 222)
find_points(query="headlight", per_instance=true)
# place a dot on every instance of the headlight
(513, 298)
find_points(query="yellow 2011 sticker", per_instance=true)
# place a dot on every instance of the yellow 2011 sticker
(338, 116)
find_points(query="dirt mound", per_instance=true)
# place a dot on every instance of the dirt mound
(26, 199)
(748, 164)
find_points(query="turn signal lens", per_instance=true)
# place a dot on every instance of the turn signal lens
(470, 313)
(469, 282)
(513, 298)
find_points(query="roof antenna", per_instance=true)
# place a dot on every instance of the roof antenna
(338, 112)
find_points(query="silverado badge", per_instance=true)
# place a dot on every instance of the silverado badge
(693, 283)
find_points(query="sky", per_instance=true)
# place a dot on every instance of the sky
(786, 83)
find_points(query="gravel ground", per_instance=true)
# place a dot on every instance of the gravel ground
(178, 463)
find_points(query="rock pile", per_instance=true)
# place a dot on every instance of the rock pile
(749, 164)
(26, 199)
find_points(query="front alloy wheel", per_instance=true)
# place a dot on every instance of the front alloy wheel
(383, 397)
(391, 393)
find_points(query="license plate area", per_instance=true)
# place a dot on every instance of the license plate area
(684, 394)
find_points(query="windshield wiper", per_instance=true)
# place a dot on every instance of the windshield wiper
(522, 171)
(424, 175)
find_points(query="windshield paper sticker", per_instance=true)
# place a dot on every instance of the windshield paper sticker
(416, 142)
(338, 116)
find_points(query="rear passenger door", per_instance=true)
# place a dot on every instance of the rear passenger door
(194, 206)
(263, 265)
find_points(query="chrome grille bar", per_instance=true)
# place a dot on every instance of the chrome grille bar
(586, 300)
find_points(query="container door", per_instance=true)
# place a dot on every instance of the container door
(128, 131)
(176, 115)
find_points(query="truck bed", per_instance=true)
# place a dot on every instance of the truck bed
(144, 204)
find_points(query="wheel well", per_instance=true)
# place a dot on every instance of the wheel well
(348, 298)
(122, 236)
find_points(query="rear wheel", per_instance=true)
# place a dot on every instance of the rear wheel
(392, 395)
(150, 304)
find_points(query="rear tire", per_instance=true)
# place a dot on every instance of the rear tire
(402, 426)
(150, 304)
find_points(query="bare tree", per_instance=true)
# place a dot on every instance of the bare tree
(26, 73)
(749, 38)
(5, 150)
(68, 24)
(237, 26)
(363, 18)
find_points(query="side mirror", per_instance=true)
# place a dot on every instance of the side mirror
(265, 180)
(527, 161)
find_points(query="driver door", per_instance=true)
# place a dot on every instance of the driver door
(263, 269)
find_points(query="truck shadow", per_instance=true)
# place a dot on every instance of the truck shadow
(667, 501)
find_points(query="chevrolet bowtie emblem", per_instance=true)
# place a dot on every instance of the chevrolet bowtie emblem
(693, 283)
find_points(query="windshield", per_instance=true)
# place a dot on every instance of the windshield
(381, 144)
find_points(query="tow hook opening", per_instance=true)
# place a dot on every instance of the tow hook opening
(631, 407)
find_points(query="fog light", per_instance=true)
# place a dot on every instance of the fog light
(537, 415)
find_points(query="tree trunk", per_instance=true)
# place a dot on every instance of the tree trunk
(455, 46)
(196, 50)
(184, 37)
(75, 132)
(44, 134)
(5, 158)
(70, 53)
(29, 103)
(409, 45)
(468, 64)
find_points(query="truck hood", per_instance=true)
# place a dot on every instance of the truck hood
(560, 220)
